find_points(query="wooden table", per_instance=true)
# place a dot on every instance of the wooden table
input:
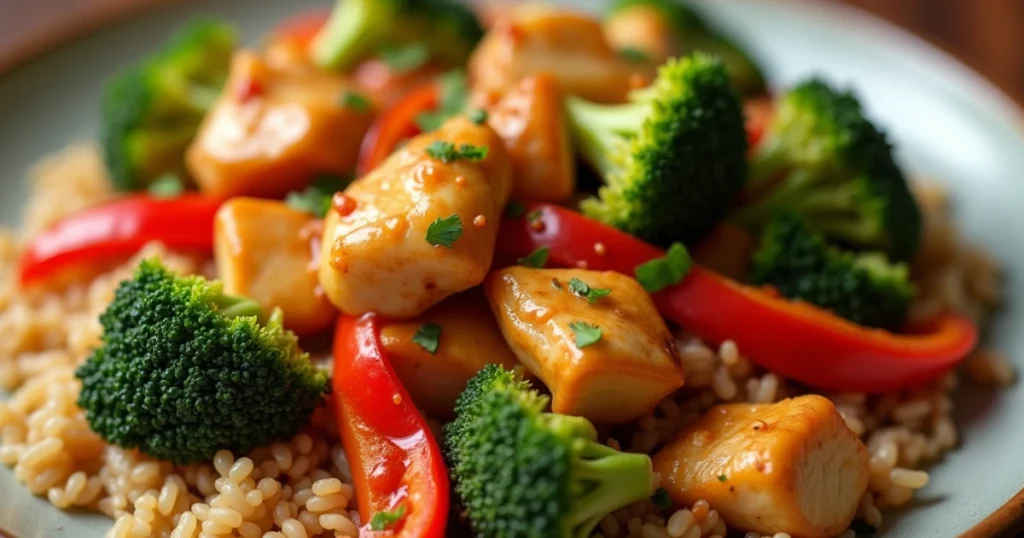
(986, 34)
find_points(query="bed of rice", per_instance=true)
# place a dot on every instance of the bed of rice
(302, 487)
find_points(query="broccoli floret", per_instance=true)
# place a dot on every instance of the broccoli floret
(152, 110)
(694, 33)
(357, 28)
(521, 472)
(823, 159)
(861, 287)
(184, 370)
(672, 159)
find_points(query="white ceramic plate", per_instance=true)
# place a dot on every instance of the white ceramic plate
(950, 125)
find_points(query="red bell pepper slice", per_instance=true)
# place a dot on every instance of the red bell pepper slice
(759, 114)
(119, 229)
(394, 125)
(396, 463)
(795, 339)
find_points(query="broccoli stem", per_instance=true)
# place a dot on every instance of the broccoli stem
(598, 129)
(770, 160)
(612, 479)
(233, 306)
(352, 26)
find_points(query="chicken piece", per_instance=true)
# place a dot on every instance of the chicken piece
(274, 128)
(643, 28)
(469, 340)
(543, 39)
(263, 252)
(377, 256)
(791, 466)
(618, 378)
(531, 120)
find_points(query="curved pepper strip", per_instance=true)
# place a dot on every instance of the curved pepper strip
(395, 460)
(119, 229)
(394, 125)
(795, 339)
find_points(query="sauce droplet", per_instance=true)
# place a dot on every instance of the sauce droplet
(343, 204)
(479, 221)
(582, 264)
(397, 398)
(460, 180)
(599, 249)
(537, 225)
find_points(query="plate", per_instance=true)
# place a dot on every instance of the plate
(949, 123)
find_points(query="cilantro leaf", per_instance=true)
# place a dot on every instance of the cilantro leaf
(536, 259)
(384, 520)
(168, 185)
(633, 55)
(446, 152)
(722, 478)
(428, 337)
(405, 58)
(661, 498)
(586, 334)
(478, 116)
(665, 271)
(316, 198)
(353, 100)
(444, 231)
(452, 97)
(582, 289)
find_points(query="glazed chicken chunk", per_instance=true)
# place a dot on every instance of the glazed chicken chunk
(274, 128)
(542, 39)
(420, 227)
(792, 466)
(594, 338)
(531, 120)
(437, 354)
(263, 252)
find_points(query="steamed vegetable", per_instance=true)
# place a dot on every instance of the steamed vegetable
(443, 29)
(861, 287)
(793, 467)
(521, 472)
(672, 159)
(152, 110)
(824, 160)
(184, 370)
(600, 347)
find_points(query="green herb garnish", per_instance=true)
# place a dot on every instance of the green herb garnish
(428, 337)
(634, 55)
(166, 186)
(536, 259)
(586, 334)
(444, 231)
(382, 521)
(405, 58)
(451, 100)
(665, 271)
(316, 198)
(446, 152)
(661, 498)
(353, 100)
(582, 289)
(478, 116)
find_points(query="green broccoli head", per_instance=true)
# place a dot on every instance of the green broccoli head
(152, 110)
(184, 370)
(521, 472)
(357, 28)
(863, 288)
(694, 33)
(672, 159)
(823, 159)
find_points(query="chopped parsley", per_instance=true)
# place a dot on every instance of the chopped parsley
(166, 186)
(633, 55)
(444, 231)
(451, 100)
(661, 498)
(382, 521)
(316, 198)
(582, 289)
(515, 209)
(478, 116)
(405, 58)
(446, 152)
(353, 100)
(665, 271)
(586, 334)
(722, 478)
(428, 337)
(535, 259)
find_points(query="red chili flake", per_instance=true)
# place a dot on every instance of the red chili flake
(343, 204)
(248, 88)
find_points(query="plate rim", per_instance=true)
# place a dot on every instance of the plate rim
(51, 36)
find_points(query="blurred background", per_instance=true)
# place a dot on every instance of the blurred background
(988, 35)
